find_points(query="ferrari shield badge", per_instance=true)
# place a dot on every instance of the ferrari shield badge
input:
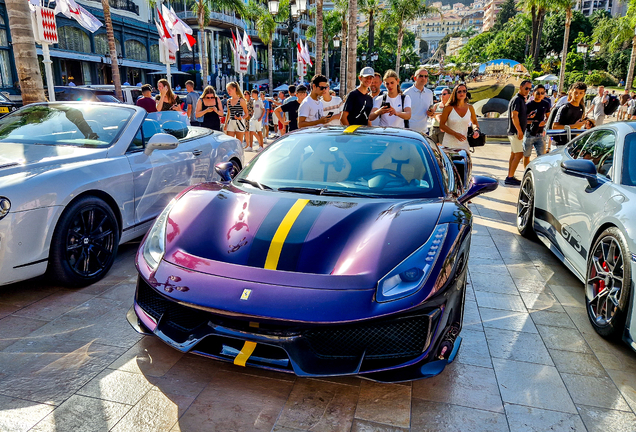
(246, 294)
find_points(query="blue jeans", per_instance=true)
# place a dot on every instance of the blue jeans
(530, 141)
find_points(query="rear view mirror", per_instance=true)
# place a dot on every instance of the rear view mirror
(582, 168)
(226, 170)
(161, 141)
(477, 186)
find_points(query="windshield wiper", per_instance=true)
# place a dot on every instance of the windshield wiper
(325, 192)
(254, 183)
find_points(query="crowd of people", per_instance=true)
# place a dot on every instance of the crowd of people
(247, 116)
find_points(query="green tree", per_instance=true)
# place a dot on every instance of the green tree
(537, 10)
(370, 8)
(202, 9)
(319, 36)
(402, 12)
(508, 11)
(332, 26)
(553, 30)
(266, 28)
(567, 5)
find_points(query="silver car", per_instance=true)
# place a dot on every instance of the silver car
(581, 202)
(77, 179)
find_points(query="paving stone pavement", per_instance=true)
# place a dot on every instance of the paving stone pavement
(530, 361)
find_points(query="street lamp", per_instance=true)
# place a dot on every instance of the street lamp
(295, 11)
(336, 42)
(581, 48)
(597, 47)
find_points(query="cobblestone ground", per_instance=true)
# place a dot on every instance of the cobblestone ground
(530, 361)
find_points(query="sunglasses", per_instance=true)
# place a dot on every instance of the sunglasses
(209, 97)
(527, 88)
(323, 88)
(540, 93)
(422, 76)
(461, 91)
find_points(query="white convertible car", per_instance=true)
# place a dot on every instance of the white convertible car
(76, 180)
(581, 201)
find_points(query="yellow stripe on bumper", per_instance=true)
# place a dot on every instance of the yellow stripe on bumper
(351, 129)
(276, 247)
(246, 352)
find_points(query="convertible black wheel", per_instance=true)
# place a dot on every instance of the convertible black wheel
(608, 284)
(85, 242)
(525, 207)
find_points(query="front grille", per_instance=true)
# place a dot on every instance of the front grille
(402, 337)
(150, 301)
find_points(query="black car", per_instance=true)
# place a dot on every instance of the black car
(7, 105)
(71, 93)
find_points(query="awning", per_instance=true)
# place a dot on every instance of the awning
(98, 59)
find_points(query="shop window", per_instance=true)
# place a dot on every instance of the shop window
(6, 76)
(101, 44)
(73, 39)
(135, 50)
(154, 53)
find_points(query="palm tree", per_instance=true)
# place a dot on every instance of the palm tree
(369, 8)
(401, 12)
(24, 53)
(537, 9)
(352, 44)
(114, 65)
(266, 28)
(203, 8)
(319, 36)
(629, 23)
(567, 5)
(332, 27)
(341, 8)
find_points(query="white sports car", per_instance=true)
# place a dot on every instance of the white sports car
(581, 202)
(77, 179)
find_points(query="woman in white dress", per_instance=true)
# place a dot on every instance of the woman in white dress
(456, 118)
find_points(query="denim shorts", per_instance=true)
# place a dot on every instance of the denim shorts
(530, 141)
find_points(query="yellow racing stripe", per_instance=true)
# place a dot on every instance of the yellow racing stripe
(351, 129)
(275, 248)
(246, 352)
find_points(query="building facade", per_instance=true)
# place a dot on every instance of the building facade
(491, 9)
(588, 7)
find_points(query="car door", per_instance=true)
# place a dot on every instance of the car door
(579, 204)
(160, 176)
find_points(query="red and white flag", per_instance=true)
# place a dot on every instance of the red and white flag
(247, 45)
(305, 54)
(165, 33)
(70, 9)
(178, 27)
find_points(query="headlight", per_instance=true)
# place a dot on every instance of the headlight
(411, 274)
(5, 206)
(155, 244)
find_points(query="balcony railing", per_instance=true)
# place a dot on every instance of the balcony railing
(219, 16)
(124, 5)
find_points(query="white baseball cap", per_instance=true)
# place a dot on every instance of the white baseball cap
(367, 71)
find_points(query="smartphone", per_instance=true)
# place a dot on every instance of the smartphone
(329, 114)
(386, 105)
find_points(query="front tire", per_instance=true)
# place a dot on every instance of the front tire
(84, 244)
(608, 282)
(525, 207)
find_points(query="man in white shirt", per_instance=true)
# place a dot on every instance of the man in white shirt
(310, 112)
(392, 108)
(421, 101)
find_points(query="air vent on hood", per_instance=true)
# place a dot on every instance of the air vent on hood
(9, 165)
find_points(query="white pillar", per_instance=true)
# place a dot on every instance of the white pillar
(213, 55)
(46, 54)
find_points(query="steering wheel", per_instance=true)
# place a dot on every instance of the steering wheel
(394, 174)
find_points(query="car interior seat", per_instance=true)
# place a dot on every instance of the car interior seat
(150, 128)
(403, 159)
(326, 164)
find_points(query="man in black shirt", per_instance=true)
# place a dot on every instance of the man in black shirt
(291, 108)
(517, 122)
(359, 103)
(538, 109)
(570, 114)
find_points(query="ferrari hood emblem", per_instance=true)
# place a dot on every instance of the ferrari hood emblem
(246, 294)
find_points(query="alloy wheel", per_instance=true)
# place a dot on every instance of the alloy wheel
(525, 203)
(90, 241)
(605, 281)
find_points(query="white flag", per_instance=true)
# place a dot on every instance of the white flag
(305, 54)
(247, 44)
(70, 9)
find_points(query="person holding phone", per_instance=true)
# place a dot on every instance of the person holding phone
(393, 107)
(311, 112)
(332, 104)
(167, 99)
(538, 109)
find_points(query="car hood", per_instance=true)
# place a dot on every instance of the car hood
(20, 158)
(224, 230)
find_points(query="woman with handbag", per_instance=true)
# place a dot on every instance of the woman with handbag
(456, 118)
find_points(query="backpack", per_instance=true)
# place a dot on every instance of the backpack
(406, 122)
(612, 105)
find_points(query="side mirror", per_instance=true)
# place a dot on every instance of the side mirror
(477, 186)
(226, 170)
(161, 141)
(582, 168)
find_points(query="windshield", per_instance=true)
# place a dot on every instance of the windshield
(82, 125)
(328, 164)
(3, 98)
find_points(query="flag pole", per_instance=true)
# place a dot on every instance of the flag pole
(46, 54)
